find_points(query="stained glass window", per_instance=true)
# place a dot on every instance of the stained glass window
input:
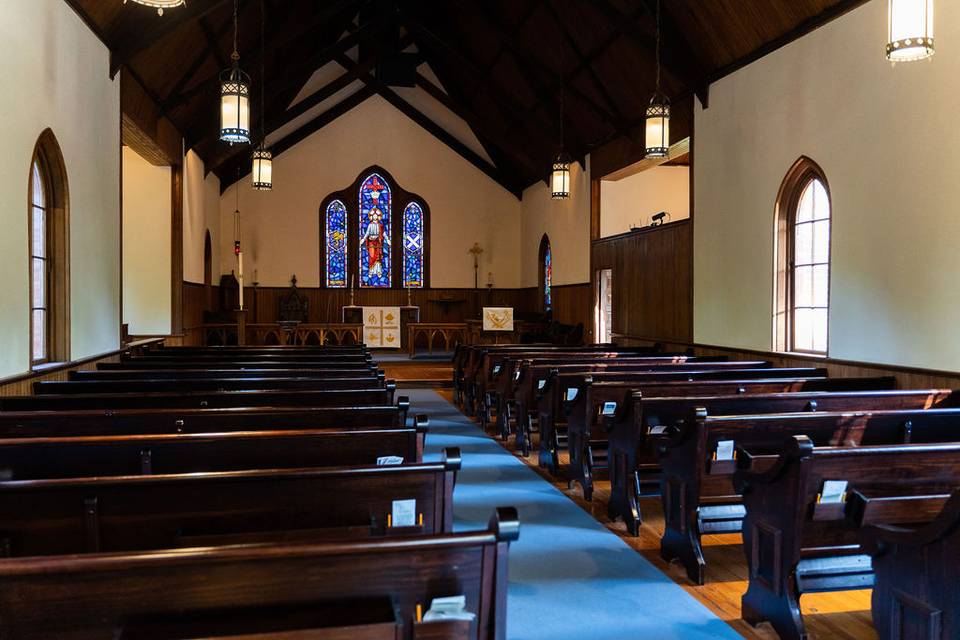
(375, 232)
(413, 245)
(336, 234)
(547, 278)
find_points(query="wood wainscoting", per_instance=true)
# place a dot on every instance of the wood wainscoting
(907, 377)
(573, 304)
(652, 280)
(22, 384)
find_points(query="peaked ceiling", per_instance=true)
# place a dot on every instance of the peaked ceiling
(491, 74)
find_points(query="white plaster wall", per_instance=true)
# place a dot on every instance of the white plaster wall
(281, 228)
(55, 75)
(566, 222)
(631, 201)
(888, 140)
(146, 246)
(201, 213)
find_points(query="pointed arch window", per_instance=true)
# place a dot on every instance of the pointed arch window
(802, 297)
(375, 236)
(49, 253)
(413, 246)
(335, 232)
(546, 273)
(388, 252)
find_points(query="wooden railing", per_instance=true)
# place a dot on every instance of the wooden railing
(450, 333)
(276, 333)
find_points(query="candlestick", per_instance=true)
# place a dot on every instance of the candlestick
(240, 276)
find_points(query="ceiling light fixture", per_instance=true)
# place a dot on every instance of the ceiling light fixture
(658, 113)
(262, 174)
(911, 30)
(160, 5)
(235, 94)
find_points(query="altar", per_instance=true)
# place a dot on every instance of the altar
(380, 330)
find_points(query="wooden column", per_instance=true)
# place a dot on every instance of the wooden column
(176, 250)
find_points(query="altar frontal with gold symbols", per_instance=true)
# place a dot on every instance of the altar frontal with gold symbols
(381, 327)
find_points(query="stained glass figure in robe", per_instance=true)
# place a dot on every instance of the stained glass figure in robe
(336, 244)
(413, 245)
(375, 204)
(547, 279)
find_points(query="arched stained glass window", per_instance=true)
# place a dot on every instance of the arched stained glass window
(413, 246)
(374, 232)
(546, 273)
(336, 244)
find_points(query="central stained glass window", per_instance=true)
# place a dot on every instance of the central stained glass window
(375, 210)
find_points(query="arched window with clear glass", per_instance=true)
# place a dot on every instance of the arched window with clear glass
(801, 318)
(413, 246)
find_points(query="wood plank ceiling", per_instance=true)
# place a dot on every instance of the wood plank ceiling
(500, 67)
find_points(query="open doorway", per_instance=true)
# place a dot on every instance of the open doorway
(603, 309)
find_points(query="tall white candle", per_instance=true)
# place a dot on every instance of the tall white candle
(240, 278)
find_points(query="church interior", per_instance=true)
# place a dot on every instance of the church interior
(479, 320)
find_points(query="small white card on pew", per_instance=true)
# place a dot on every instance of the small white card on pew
(496, 369)
(658, 429)
(388, 461)
(609, 408)
(572, 393)
(449, 608)
(833, 491)
(404, 513)
(725, 450)
(541, 384)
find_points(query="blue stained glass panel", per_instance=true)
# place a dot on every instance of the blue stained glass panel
(375, 232)
(413, 245)
(336, 244)
(548, 279)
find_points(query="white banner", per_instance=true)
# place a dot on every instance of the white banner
(381, 327)
(498, 318)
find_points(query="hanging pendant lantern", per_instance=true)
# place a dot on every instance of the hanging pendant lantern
(911, 30)
(560, 177)
(657, 117)
(235, 96)
(160, 5)
(658, 126)
(262, 169)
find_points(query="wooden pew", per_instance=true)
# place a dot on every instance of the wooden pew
(535, 380)
(498, 370)
(201, 399)
(91, 422)
(795, 543)
(587, 439)
(244, 356)
(915, 566)
(617, 396)
(634, 461)
(522, 382)
(332, 348)
(160, 454)
(139, 512)
(115, 595)
(219, 371)
(697, 491)
(254, 363)
(54, 387)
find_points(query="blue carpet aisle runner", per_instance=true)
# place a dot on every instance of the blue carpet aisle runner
(570, 578)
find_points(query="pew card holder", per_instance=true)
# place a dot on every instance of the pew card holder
(831, 503)
(723, 462)
(363, 619)
(444, 630)
(410, 530)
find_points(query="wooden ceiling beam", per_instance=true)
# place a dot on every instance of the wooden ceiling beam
(436, 130)
(597, 82)
(502, 49)
(136, 40)
(227, 171)
(252, 56)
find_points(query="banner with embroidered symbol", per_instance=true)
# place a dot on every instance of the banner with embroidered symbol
(381, 327)
(498, 318)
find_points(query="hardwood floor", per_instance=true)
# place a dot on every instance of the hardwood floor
(828, 616)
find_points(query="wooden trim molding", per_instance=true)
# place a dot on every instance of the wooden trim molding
(22, 383)
(907, 377)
